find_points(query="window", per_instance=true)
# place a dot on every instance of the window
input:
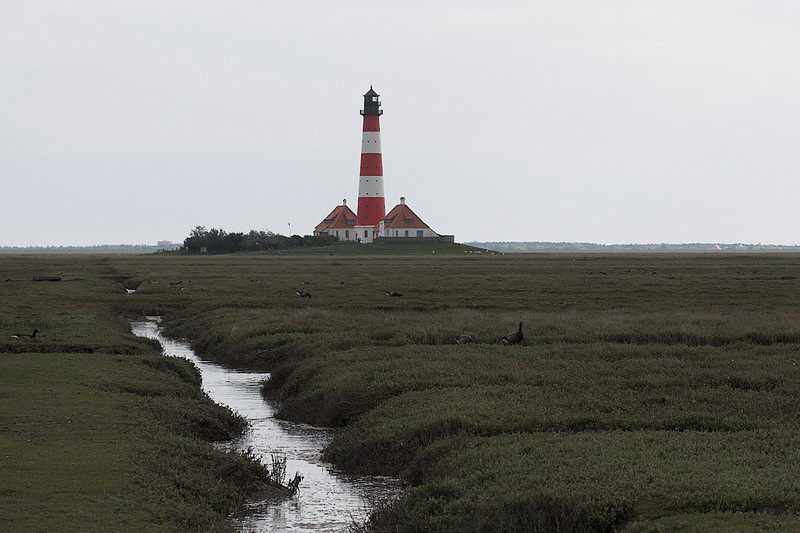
(419, 233)
(406, 233)
(366, 234)
(337, 232)
(347, 234)
(351, 222)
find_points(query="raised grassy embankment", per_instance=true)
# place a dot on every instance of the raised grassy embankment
(650, 393)
(98, 430)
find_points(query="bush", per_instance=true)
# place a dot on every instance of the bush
(218, 241)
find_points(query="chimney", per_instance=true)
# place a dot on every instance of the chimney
(344, 201)
(402, 200)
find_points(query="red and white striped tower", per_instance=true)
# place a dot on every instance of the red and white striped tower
(371, 207)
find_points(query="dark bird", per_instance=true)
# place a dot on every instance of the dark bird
(392, 293)
(25, 335)
(304, 282)
(176, 282)
(303, 294)
(464, 339)
(514, 338)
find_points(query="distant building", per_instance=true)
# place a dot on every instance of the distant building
(372, 222)
(167, 245)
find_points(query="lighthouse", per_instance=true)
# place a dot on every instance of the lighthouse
(371, 206)
(372, 222)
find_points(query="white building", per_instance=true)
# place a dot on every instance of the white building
(399, 224)
(402, 223)
(340, 223)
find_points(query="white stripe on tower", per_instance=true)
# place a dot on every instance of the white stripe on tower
(370, 187)
(371, 142)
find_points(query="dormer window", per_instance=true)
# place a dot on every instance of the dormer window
(409, 220)
(351, 222)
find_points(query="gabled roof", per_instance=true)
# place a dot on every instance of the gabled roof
(401, 216)
(338, 218)
(371, 92)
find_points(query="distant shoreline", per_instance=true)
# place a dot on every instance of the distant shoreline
(537, 246)
(499, 246)
(99, 248)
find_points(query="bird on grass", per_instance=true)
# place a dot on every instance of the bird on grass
(305, 282)
(25, 335)
(514, 338)
(464, 339)
(302, 294)
(392, 293)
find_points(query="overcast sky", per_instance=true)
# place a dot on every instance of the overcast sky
(130, 121)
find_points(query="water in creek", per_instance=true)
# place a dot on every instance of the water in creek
(327, 500)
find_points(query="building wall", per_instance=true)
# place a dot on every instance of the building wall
(439, 238)
(411, 232)
(356, 233)
(365, 233)
(344, 234)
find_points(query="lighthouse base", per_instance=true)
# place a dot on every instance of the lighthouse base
(365, 234)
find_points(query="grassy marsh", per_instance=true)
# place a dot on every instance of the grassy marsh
(651, 393)
(98, 430)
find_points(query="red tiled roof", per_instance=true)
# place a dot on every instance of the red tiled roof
(401, 216)
(337, 219)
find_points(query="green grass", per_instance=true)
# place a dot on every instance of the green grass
(98, 431)
(651, 393)
(599, 479)
(113, 442)
(394, 248)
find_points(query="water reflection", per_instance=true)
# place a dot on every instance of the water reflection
(327, 500)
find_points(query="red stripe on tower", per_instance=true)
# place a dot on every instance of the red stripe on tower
(371, 206)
